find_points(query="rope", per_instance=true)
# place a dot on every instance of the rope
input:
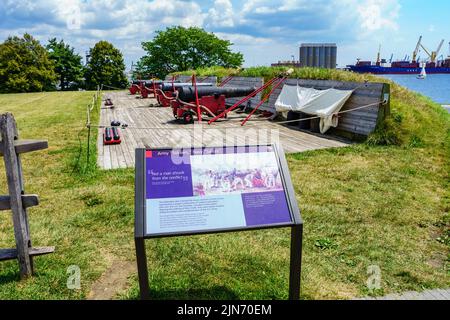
(90, 107)
(77, 163)
(333, 114)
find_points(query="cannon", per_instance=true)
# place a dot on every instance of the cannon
(136, 86)
(211, 101)
(165, 92)
(149, 87)
(188, 93)
(146, 87)
(167, 86)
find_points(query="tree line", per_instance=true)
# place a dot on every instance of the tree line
(28, 66)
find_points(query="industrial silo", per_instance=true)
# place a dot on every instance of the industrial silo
(321, 55)
(333, 57)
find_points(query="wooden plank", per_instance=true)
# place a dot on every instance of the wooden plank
(364, 100)
(360, 114)
(23, 146)
(349, 105)
(125, 142)
(28, 201)
(107, 158)
(11, 254)
(354, 129)
(100, 148)
(8, 131)
(114, 156)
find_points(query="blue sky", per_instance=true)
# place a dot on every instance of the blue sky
(264, 31)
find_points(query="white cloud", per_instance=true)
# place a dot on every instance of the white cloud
(243, 39)
(124, 23)
(295, 5)
(379, 14)
(264, 29)
(221, 14)
(251, 5)
(265, 10)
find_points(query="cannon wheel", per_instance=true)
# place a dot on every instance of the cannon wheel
(188, 117)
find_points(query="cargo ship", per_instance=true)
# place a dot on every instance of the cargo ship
(406, 66)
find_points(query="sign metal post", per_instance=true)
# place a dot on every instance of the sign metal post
(253, 190)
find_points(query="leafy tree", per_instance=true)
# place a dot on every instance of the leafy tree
(181, 49)
(141, 71)
(68, 64)
(105, 66)
(25, 66)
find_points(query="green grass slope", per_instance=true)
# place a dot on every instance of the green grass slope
(384, 202)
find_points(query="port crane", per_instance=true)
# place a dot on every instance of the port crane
(416, 51)
(379, 56)
(433, 55)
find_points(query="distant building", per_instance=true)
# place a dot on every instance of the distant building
(319, 55)
(294, 64)
(88, 57)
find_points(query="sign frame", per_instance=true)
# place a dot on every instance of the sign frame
(296, 223)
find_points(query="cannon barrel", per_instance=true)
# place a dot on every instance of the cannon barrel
(158, 83)
(187, 94)
(149, 83)
(167, 86)
(138, 82)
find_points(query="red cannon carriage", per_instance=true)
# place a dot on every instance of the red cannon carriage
(210, 101)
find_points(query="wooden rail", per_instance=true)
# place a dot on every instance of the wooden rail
(28, 201)
(24, 146)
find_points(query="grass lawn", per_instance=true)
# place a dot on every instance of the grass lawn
(362, 205)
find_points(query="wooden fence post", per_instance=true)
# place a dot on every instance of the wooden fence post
(9, 134)
(17, 201)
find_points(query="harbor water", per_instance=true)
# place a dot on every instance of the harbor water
(435, 86)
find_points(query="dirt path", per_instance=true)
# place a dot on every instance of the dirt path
(113, 281)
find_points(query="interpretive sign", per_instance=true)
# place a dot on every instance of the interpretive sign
(212, 189)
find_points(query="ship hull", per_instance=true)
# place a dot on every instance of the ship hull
(390, 70)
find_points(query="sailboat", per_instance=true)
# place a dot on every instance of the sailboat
(423, 73)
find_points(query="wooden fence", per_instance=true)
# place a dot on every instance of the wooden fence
(18, 201)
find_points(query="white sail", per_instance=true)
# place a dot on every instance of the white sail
(423, 73)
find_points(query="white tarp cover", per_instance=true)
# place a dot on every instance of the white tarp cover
(322, 103)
